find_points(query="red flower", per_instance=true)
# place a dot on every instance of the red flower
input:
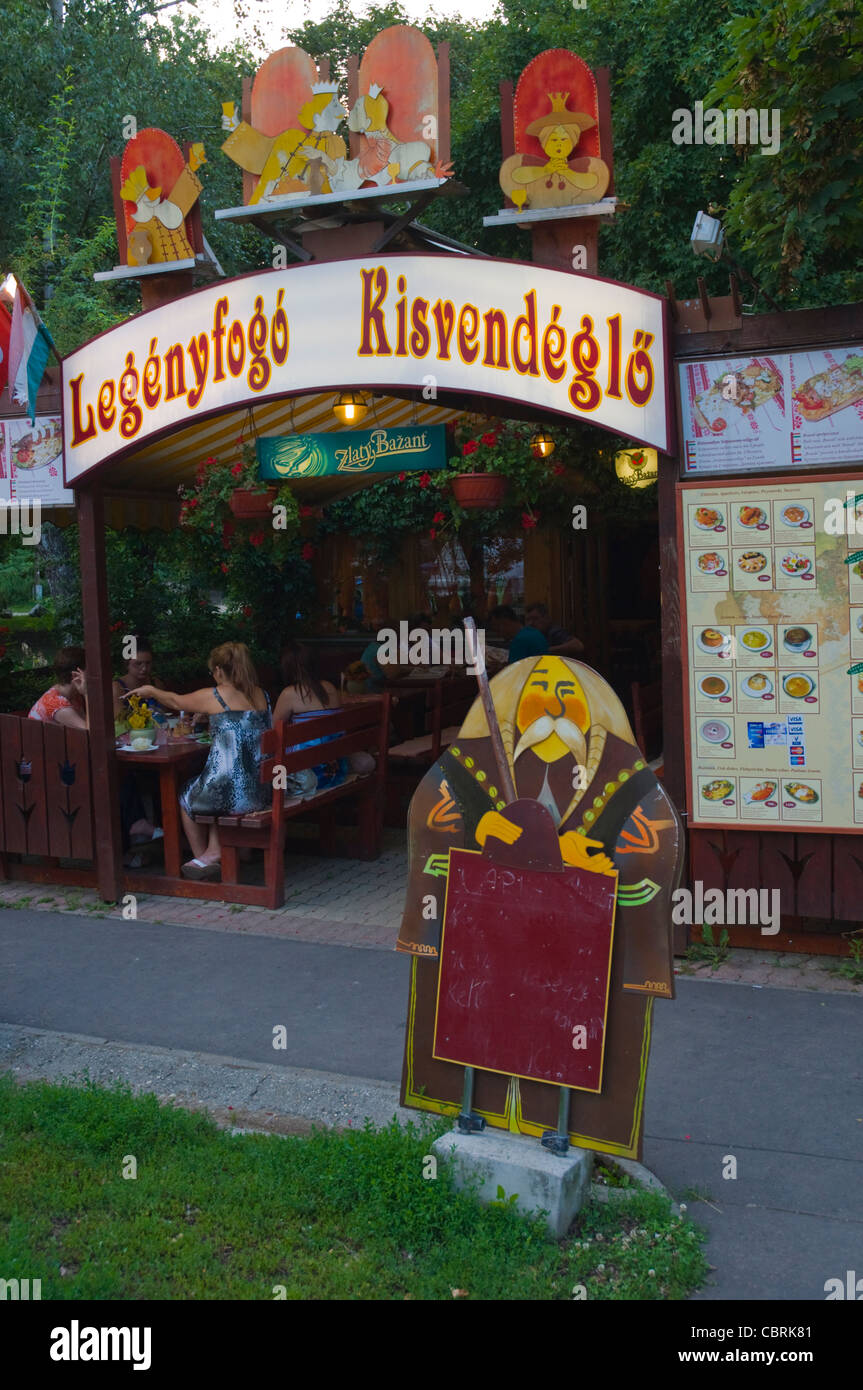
(208, 462)
(247, 612)
(236, 470)
(115, 627)
(223, 567)
(306, 510)
(2, 653)
(425, 479)
(257, 538)
(557, 469)
(469, 448)
(432, 533)
(239, 441)
(402, 477)
(307, 551)
(528, 521)
(489, 439)
(192, 502)
(4, 629)
(438, 516)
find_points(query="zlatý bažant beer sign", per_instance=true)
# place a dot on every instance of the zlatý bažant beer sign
(412, 449)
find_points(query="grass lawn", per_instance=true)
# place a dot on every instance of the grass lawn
(346, 1215)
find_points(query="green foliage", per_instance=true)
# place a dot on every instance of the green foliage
(707, 949)
(382, 515)
(330, 1216)
(797, 216)
(16, 573)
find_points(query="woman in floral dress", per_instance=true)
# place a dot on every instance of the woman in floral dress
(230, 783)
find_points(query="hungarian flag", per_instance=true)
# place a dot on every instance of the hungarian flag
(29, 346)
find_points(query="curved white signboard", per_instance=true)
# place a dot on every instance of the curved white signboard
(581, 347)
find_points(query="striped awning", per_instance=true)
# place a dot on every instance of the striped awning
(141, 488)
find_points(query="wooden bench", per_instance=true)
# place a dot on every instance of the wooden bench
(355, 729)
(447, 703)
(46, 806)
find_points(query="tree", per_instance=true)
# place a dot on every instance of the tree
(798, 214)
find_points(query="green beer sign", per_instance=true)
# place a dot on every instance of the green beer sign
(410, 449)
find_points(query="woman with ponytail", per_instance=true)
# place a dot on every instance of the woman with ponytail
(230, 784)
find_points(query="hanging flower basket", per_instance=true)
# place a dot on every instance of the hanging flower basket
(478, 490)
(248, 505)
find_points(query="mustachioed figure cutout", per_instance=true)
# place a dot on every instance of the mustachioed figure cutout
(568, 745)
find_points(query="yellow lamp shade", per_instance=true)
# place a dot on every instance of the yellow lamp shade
(542, 444)
(349, 407)
(637, 467)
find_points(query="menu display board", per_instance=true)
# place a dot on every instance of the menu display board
(773, 643)
(31, 464)
(766, 412)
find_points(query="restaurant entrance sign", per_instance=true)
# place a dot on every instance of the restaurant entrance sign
(412, 448)
(572, 345)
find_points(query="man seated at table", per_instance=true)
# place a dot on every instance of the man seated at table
(560, 642)
(65, 702)
(522, 640)
(380, 675)
(138, 672)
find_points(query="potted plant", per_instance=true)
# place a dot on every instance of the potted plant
(223, 489)
(503, 468)
(142, 727)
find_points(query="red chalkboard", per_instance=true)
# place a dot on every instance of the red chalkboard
(525, 960)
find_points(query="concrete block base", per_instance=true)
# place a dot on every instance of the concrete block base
(542, 1181)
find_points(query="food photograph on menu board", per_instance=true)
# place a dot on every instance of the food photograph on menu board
(36, 461)
(735, 413)
(773, 628)
(827, 406)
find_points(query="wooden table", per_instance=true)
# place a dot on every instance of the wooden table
(176, 763)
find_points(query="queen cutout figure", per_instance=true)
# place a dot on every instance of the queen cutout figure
(561, 181)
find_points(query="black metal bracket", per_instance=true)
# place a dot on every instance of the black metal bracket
(470, 1124)
(556, 1142)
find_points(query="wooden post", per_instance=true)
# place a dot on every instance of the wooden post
(100, 702)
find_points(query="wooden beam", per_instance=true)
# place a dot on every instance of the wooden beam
(100, 699)
(392, 231)
(353, 66)
(249, 180)
(794, 329)
(119, 211)
(442, 143)
(606, 141)
(672, 299)
(295, 247)
(734, 287)
(704, 297)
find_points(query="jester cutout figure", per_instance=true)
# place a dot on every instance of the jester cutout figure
(159, 189)
(593, 824)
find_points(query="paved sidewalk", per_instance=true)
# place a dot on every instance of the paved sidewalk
(349, 902)
(769, 1077)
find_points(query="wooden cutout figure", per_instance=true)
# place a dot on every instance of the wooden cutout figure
(291, 141)
(396, 113)
(569, 748)
(159, 188)
(556, 136)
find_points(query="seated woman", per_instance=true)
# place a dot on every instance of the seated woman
(230, 784)
(66, 701)
(305, 697)
(139, 670)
